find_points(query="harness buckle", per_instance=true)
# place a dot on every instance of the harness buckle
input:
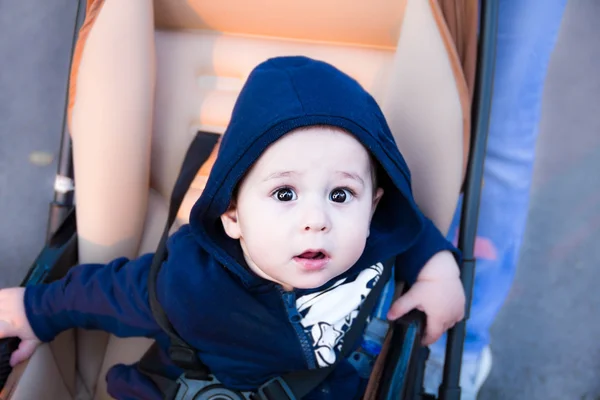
(275, 389)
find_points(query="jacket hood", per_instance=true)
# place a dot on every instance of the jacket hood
(285, 93)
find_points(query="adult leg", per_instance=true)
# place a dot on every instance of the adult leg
(527, 33)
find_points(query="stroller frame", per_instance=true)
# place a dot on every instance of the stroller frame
(405, 363)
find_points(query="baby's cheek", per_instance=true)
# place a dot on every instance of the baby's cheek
(352, 241)
(268, 237)
(355, 226)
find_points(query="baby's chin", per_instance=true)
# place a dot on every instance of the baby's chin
(312, 282)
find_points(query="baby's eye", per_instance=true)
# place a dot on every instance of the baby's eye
(340, 195)
(285, 194)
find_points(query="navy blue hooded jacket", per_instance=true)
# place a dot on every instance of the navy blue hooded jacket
(246, 329)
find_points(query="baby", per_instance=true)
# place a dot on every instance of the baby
(307, 199)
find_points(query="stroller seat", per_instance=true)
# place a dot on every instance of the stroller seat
(146, 76)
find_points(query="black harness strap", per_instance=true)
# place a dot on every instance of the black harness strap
(150, 365)
(182, 354)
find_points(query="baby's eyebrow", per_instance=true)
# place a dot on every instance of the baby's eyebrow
(351, 175)
(280, 174)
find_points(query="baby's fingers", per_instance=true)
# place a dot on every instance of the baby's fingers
(405, 303)
(434, 330)
(25, 350)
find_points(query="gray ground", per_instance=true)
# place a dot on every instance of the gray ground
(545, 337)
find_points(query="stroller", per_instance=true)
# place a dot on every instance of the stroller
(147, 76)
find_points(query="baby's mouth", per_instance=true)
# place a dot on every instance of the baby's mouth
(312, 255)
(312, 260)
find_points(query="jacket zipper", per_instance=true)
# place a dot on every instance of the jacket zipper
(289, 301)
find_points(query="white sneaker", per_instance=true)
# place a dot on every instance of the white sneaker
(473, 373)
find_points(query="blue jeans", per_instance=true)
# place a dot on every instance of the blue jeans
(527, 33)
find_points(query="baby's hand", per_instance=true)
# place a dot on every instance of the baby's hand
(14, 323)
(438, 292)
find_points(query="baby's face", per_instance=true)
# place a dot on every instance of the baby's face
(303, 211)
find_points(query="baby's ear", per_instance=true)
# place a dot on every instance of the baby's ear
(376, 197)
(229, 219)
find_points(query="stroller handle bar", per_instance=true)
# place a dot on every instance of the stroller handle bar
(482, 104)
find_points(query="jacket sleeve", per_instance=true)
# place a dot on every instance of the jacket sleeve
(429, 242)
(112, 297)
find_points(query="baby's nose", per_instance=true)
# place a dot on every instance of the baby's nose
(316, 227)
(316, 219)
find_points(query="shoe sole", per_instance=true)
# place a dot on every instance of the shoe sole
(485, 367)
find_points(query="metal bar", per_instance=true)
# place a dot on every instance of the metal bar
(482, 104)
(63, 185)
